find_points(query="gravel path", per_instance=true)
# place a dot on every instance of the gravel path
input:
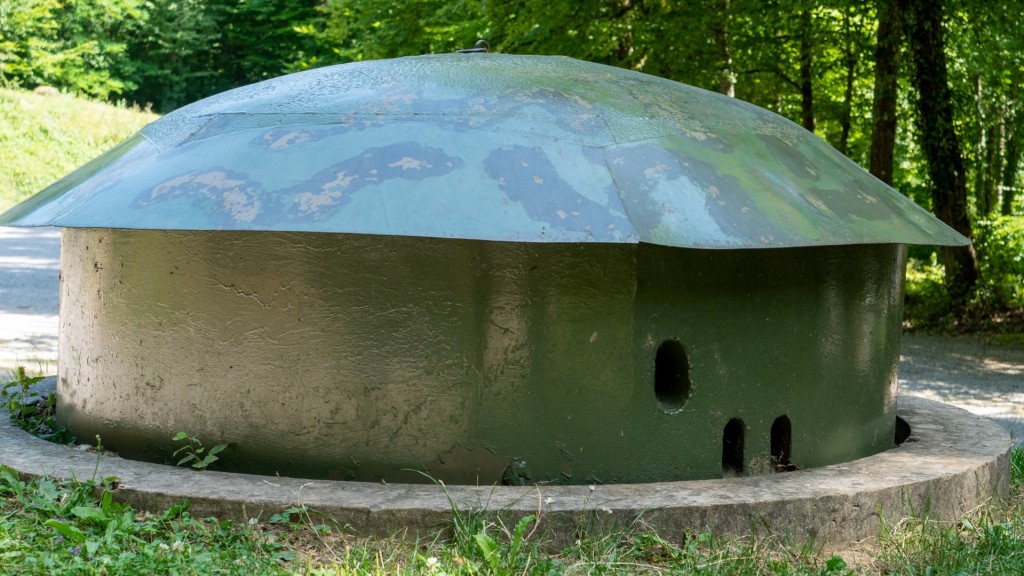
(967, 372)
(964, 371)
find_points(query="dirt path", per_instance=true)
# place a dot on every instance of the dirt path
(966, 372)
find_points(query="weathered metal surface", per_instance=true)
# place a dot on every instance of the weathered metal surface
(363, 356)
(490, 147)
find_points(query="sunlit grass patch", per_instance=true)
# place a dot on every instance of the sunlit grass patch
(45, 136)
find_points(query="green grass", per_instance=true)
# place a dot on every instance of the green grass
(49, 527)
(44, 137)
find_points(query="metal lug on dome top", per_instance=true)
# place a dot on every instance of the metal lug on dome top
(481, 46)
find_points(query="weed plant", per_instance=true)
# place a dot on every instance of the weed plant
(32, 413)
(193, 452)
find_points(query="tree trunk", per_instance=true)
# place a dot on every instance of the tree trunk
(993, 161)
(887, 51)
(727, 77)
(625, 49)
(1011, 162)
(1009, 180)
(980, 147)
(806, 87)
(851, 69)
(939, 141)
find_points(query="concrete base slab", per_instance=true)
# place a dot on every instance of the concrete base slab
(952, 462)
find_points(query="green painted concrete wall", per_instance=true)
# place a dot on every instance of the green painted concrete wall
(366, 357)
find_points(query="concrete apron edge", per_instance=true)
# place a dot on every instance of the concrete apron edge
(953, 462)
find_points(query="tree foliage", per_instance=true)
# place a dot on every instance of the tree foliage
(164, 53)
(77, 44)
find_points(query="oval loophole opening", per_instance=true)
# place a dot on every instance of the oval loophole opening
(782, 444)
(672, 385)
(732, 448)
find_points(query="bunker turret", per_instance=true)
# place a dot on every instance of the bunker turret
(488, 268)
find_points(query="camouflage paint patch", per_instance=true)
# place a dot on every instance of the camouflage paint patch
(227, 197)
(528, 177)
(325, 192)
(791, 157)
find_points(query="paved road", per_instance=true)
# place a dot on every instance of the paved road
(966, 372)
(29, 280)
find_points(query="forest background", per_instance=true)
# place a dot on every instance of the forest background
(924, 93)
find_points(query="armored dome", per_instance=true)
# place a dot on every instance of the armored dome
(488, 147)
(490, 268)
